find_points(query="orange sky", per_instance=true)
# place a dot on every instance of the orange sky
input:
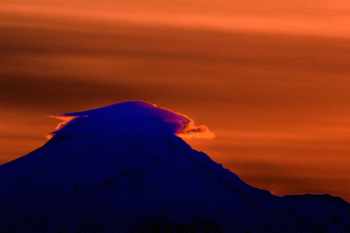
(270, 78)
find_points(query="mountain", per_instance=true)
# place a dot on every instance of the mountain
(124, 169)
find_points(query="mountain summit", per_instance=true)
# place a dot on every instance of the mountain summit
(124, 168)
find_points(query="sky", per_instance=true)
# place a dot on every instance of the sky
(270, 78)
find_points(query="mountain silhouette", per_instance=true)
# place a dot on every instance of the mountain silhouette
(124, 169)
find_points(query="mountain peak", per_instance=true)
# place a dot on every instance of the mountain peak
(130, 117)
(124, 168)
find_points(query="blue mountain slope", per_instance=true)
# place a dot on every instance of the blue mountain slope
(122, 168)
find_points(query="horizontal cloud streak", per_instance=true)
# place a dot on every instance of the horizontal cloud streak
(82, 61)
(280, 100)
(290, 17)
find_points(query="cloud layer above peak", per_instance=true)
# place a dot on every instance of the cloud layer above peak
(129, 118)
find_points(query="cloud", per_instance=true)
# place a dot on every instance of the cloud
(60, 64)
(234, 81)
(192, 130)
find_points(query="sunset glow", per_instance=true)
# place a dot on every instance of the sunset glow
(270, 80)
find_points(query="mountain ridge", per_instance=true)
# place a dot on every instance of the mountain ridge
(125, 169)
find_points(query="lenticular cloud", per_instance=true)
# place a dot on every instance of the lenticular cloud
(129, 118)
